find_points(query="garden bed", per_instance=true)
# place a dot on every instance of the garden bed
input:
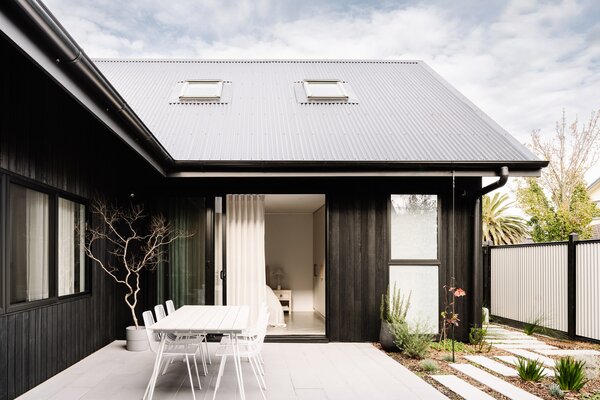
(539, 389)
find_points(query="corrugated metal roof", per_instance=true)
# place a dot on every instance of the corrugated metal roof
(403, 111)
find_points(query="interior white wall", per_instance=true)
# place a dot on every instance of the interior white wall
(289, 246)
(319, 260)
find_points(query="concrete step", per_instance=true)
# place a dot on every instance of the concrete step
(462, 388)
(567, 352)
(495, 383)
(492, 365)
(531, 346)
(548, 362)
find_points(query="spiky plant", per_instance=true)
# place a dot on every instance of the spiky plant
(499, 227)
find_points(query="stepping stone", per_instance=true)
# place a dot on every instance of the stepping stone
(547, 361)
(462, 388)
(495, 383)
(566, 352)
(493, 365)
(514, 341)
(512, 360)
(539, 345)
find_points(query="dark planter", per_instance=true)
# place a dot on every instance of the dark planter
(386, 339)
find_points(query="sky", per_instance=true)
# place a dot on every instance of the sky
(522, 62)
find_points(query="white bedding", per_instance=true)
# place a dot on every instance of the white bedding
(275, 309)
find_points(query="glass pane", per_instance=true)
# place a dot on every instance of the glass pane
(71, 257)
(184, 271)
(29, 244)
(324, 89)
(414, 227)
(202, 89)
(421, 282)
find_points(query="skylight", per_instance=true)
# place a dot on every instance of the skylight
(323, 89)
(201, 89)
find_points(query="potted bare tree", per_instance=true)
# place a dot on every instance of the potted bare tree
(135, 242)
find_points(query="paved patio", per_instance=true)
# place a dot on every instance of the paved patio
(293, 371)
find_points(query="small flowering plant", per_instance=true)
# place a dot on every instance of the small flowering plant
(450, 318)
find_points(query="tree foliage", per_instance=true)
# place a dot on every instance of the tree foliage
(558, 203)
(498, 226)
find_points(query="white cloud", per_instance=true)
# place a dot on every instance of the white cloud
(521, 66)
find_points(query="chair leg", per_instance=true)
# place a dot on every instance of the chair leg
(197, 374)
(187, 361)
(203, 355)
(207, 352)
(219, 375)
(256, 374)
(167, 363)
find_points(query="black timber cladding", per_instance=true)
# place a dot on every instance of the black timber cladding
(50, 140)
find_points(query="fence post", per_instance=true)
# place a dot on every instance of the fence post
(572, 285)
(487, 275)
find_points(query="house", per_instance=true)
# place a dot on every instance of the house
(594, 192)
(371, 168)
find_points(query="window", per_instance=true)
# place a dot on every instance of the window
(414, 227)
(29, 222)
(324, 90)
(414, 256)
(71, 256)
(201, 89)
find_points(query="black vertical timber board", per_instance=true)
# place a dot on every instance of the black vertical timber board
(10, 362)
(3, 359)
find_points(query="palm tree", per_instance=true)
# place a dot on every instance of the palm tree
(498, 227)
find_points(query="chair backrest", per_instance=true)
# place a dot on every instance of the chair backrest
(170, 307)
(153, 338)
(159, 310)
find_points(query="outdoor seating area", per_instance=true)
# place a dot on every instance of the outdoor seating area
(292, 371)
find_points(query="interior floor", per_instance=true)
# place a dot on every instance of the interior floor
(300, 323)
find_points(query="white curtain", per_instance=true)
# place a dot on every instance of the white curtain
(66, 251)
(245, 246)
(36, 216)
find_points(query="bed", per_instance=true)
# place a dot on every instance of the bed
(275, 309)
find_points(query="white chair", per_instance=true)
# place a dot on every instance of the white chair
(159, 311)
(170, 307)
(250, 347)
(171, 349)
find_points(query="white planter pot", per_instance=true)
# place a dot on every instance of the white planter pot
(137, 340)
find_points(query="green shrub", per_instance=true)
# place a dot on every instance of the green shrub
(429, 365)
(570, 373)
(447, 357)
(535, 326)
(478, 338)
(556, 391)
(530, 370)
(394, 308)
(412, 342)
(446, 345)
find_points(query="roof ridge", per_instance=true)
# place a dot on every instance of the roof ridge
(254, 61)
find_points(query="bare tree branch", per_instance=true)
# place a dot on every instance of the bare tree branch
(119, 229)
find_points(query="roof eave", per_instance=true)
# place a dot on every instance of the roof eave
(224, 168)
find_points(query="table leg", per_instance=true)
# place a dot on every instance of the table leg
(238, 365)
(150, 388)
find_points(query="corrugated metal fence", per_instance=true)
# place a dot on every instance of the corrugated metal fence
(557, 284)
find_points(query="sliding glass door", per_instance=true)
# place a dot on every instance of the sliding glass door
(182, 276)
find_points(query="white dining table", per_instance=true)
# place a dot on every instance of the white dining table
(227, 320)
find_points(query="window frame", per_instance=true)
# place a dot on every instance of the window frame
(6, 179)
(183, 98)
(414, 261)
(86, 259)
(339, 83)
